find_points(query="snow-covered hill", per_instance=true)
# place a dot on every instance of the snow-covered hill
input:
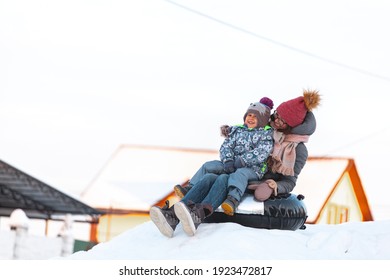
(229, 241)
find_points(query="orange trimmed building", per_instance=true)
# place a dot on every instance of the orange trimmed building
(333, 191)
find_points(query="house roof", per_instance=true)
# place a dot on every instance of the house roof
(319, 179)
(137, 177)
(38, 200)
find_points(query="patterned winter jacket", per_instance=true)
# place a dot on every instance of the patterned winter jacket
(252, 145)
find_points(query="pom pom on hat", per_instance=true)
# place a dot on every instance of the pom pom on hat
(267, 102)
(293, 111)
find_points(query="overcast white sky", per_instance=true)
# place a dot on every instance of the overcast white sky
(79, 78)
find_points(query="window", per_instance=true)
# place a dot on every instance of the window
(337, 214)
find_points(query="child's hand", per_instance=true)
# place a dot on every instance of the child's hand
(228, 166)
(225, 130)
(239, 162)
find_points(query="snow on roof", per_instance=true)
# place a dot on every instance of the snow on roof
(316, 181)
(137, 177)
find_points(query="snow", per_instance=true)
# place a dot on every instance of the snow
(116, 187)
(18, 219)
(30, 247)
(363, 247)
(230, 241)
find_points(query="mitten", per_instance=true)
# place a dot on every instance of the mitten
(272, 184)
(262, 191)
(228, 166)
(225, 130)
(239, 162)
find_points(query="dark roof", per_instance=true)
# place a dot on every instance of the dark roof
(37, 199)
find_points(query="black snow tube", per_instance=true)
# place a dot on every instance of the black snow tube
(285, 212)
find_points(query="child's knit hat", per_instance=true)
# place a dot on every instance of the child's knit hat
(262, 111)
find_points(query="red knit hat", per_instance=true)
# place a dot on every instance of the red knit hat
(293, 111)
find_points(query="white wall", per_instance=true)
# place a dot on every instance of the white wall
(81, 231)
(32, 247)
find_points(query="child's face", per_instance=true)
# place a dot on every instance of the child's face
(251, 120)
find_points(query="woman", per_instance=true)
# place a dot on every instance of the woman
(293, 122)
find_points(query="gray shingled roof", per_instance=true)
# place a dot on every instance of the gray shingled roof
(37, 199)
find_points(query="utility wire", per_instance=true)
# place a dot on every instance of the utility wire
(355, 69)
(330, 61)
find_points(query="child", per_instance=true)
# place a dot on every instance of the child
(262, 114)
(243, 158)
(246, 146)
(244, 153)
